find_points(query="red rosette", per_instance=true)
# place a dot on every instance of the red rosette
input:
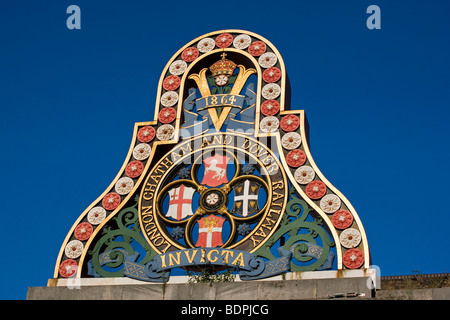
(134, 169)
(83, 231)
(146, 134)
(167, 115)
(290, 123)
(171, 83)
(353, 258)
(316, 189)
(342, 219)
(111, 201)
(224, 40)
(190, 54)
(68, 268)
(271, 75)
(296, 158)
(270, 107)
(257, 48)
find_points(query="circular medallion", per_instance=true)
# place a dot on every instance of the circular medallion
(146, 134)
(296, 158)
(206, 45)
(316, 189)
(74, 249)
(178, 67)
(68, 268)
(212, 200)
(83, 231)
(221, 80)
(290, 122)
(267, 60)
(353, 258)
(169, 99)
(257, 48)
(330, 203)
(272, 75)
(214, 195)
(142, 151)
(171, 83)
(271, 91)
(269, 124)
(165, 132)
(304, 174)
(224, 40)
(342, 219)
(167, 115)
(270, 107)
(124, 185)
(242, 41)
(111, 201)
(291, 140)
(190, 54)
(96, 215)
(350, 238)
(134, 169)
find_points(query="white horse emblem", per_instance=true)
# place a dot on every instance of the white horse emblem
(215, 170)
(220, 172)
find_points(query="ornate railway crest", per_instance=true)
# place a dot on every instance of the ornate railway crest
(222, 176)
(243, 199)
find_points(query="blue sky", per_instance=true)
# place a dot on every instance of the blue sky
(377, 102)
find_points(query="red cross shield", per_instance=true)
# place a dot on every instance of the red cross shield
(215, 170)
(180, 203)
(210, 231)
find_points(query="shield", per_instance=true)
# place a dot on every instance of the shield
(210, 231)
(245, 198)
(180, 203)
(215, 170)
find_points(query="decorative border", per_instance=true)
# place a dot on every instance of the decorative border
(271, 91)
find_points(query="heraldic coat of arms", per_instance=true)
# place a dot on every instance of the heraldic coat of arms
(222, 176)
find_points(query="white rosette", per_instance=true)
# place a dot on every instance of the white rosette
(350, 238)
(74, 249)
(165, 132)
(242, 41)
(124, 185)
(271, 91)
(269, 124)
(304, 174)
(267, 60)
(142, 151)
(206, 45)
(291, 140)
(330, 203)
(169, 98)
(178, 67)
(96, 215)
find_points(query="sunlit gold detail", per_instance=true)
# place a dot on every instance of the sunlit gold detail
(202, 84)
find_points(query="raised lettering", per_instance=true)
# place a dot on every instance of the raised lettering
(215, 258)
(203, 255)
(227, 253)
(277, 196)
(163, 261)
(277, 185)
(172, 259)
(191, 258)
(240, 259)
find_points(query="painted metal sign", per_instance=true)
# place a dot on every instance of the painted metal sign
(222, 175)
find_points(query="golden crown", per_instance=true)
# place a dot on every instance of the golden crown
(223, 66)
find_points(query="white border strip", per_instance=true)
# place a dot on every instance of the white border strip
(331, 274)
